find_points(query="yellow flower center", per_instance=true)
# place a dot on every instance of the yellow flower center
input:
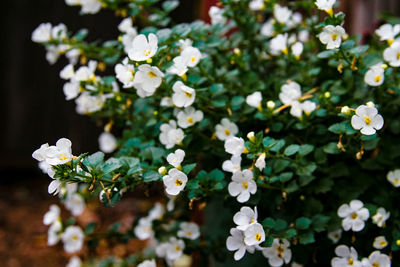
(378, 78)
(245, 185)
(354, 216)
(396, 181)
(350, 262)
(189, 95)
(188, 233)
(398, 56)
(193, 59)
(257, 237)
(375, 264)
(178, 182)
(190, 120)
(252, 220)
(177, 248)
(63, 158)
(227, 132)
(334, 37)
(75, 238)
(152, 74)
(367, 120)
(147, 52)
(383, 243)
(280, 251)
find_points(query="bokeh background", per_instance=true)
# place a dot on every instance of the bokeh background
(34, 111)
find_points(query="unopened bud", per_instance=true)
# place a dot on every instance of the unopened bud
(370, 104)
(162, 170)
(398, 242)
(345, 110)
(250, 136)
(149, 60)
(327, 94)
(237, 51)
(271, 104)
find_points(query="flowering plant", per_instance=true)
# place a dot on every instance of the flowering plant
(271, 121)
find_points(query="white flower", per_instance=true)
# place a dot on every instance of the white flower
(148, 263)
(236, 242)
(245, 217)
(52, 215)
(175, 249)
(325, 5)
(86, 73)
(170, 135)
(127, 39)
(367, 119)
(71, 90)
(332, 36)
(254, 100)
(282, 14)
(42, 33)
(73, 239)
(376, 259)
(59, 32)
(75, 261)
(392, 54)
(375, 76)
(174, 182)
(380, 217)
(234, 146)
(354, 215)
(232, 165)
(296, 110)
(143, 48)
(156, 212)
(179, 67)
(53, 234)
(147, 80)
(47, 168)
(226, 129)
(191, 56)
(303, 36)
(61, 153)
(260, 162)
(183, 95)
(256, 5)
(73, 55)
(308, 107)
(267, 28)
(189, 230)
(125, 25)
(294, 20)
(346, 257)
(295, 264)
(67, 72)
(175, 159)
(335, 235)
(166, 102)
(279, 252)
(290, 93)
(394, 177)
(380, 242)
(87, 103)
(189, 117)
(242, 185)
(75, 203)
(40, 153)
(54, 187)
(90, 6)
(144, 229)
(388, 32)
(279, 44)
(217, 15)
(125, 73)
(297, 49)
(107, 142)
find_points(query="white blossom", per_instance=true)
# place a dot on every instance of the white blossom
(170, 135)
(256, 5)
(59, 32)
(282, 14)
(144, 229)
(189, 230)
(303, 36)
(392, 54)
(232, 165)
(380, 242)
(346, 257)
(354, 215)
(148, 263)
(73, 239)
(61, 153)
(42, 33)
(147, 80)
(54, 233)
(279, 252)
(125, 25)
(388, 32)
(179, 67)
(52, 215)
(143, 47)
(191, 56)
(376, 259)
(107, 142)
(332, 36)
(127, 39)
(234, 146)
(125, 73)
(290, 93)
(297, 49)
(183, 95)
(394, 177)
(279, 44)
(189, 117)
(75, 203)
(175, 181)
(335, 235)
(254, 100)
(267, 28)
(67, 72)
(235, 242)
(75, 261)
(245, 217)
(325, 5)
(176, 158)
(87, 103)
(90, 6)
(260, 162)
(367, 119)
(226, 129)
(166, 102)
(217, 15)
(380, 217)
(242, 185)
(375, 76)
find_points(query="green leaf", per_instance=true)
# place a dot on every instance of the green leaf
(81, 34)
(269, 223)
(319, 222)
(280, 164)
(303, 223)
(151, 176)
(94, 159)
(278, 145)
(348, 44)
(110, 165)
(307, 238)
(286, 176)
(188, 168)
(290, 233)
(114, 228)
(331, 148)
(305, 149)
(307, 169)
(326, 53)
(90, 227)
(168, 6)
(280, 225)
(216, 175)
(291, 150)
(237, 102)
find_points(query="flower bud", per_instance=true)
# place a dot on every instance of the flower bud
(327, 94)
(370, 104)
(271, 104)
(162, 170)
(250, 136)
(345, 110)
